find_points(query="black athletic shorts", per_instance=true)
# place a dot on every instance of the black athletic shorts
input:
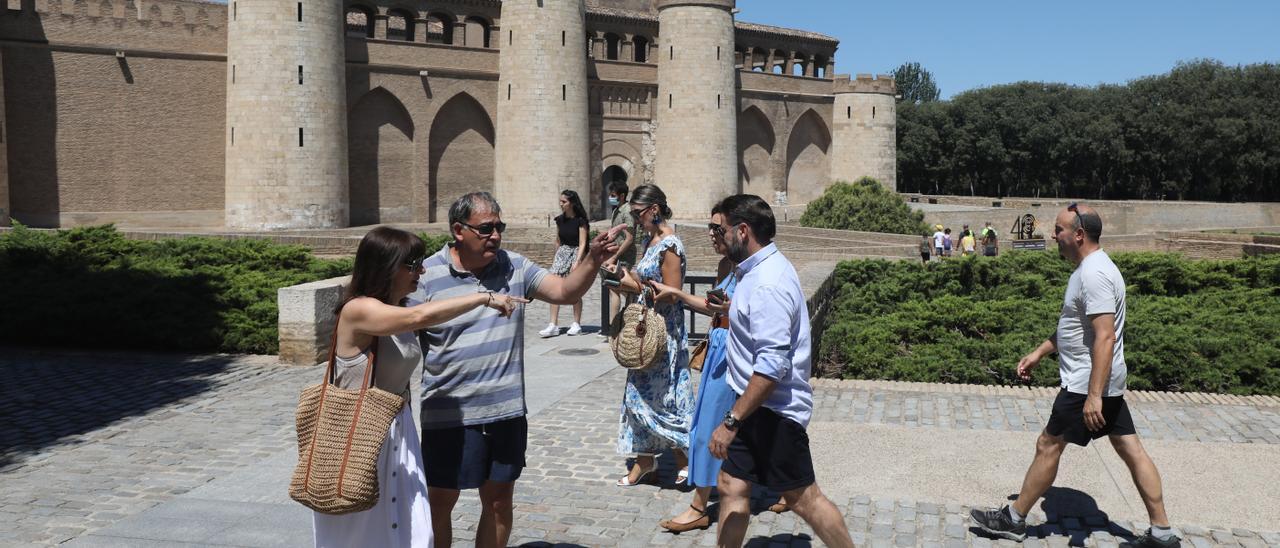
(464, 457)
(1067, 419)
(772, 451)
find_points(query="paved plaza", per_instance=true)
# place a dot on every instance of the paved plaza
(116, 449)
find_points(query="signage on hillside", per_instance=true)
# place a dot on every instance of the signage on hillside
(1025, 237)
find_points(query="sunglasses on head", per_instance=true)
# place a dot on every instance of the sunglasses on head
(1075, 208)
(487, 229)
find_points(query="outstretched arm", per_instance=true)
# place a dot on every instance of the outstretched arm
(571, 288)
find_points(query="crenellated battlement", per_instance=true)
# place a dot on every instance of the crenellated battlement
(865, 83)
(191, 14)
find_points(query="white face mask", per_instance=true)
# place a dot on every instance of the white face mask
(613, 201)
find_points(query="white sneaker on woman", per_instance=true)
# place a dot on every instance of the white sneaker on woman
(575, 329)
(550, 331)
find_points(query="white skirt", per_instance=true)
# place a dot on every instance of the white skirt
(402, 517)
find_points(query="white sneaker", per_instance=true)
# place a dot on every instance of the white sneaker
(550, 331)
(575, 329)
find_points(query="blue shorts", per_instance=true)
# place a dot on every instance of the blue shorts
(465, 457)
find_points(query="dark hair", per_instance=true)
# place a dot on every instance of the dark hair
(619, 187)
(462, 208)
(1091, 222)
(576, 203)
(947, 231)
(752, 210)
(652, 195)
(381, 252)
(717, 210)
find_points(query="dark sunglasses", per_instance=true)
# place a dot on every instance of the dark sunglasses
(1075, 208)
(415, 264)
(487, 229)
(716, 229)
(636, 213)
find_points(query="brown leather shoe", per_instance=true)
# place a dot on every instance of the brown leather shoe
(703, 522)
(779, 507)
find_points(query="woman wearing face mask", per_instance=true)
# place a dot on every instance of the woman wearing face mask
(657, 403)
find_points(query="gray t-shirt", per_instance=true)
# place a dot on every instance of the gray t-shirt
(1096, 287)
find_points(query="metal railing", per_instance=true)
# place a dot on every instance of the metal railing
(691, 282)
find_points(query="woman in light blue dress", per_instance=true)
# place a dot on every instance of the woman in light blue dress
(657, 404)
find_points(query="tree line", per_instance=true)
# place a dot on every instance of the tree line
(1203, 131)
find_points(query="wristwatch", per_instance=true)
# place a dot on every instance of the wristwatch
(731, 422)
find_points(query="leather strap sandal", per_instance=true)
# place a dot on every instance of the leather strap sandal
(703, 522)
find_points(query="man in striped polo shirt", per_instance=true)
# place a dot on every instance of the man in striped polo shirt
(473, 410)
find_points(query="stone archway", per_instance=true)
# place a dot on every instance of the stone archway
(461, 153)
(380, 144)
(755, 152)
(807, 162)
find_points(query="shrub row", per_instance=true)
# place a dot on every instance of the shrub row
(94, 288)
(1202, 326)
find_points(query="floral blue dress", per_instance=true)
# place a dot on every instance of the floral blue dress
(657, 404)
(715, 398)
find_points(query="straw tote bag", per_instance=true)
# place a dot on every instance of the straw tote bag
(340, 434)
(640, 334)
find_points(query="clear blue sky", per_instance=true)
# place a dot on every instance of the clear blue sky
(974, 43)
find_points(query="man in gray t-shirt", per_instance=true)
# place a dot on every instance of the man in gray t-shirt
(1090, 346)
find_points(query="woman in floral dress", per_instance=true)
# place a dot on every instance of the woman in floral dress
(657, 404)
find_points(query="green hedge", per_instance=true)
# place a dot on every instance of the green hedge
(864, 205)
(1201, 326)
(93, 288)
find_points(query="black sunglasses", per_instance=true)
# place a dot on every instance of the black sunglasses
(1075, 208)
(487, 229)
(716, 229)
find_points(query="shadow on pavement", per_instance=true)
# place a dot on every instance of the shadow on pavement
(784, 539)
(48, 396)
(1070, 513)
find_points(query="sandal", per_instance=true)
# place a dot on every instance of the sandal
(647, 476)
(703, 522)
(682, 476)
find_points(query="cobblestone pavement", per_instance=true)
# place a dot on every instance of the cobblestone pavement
(90, 439)
(1029, 412)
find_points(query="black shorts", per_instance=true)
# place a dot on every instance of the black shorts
(464, 457)
(1067, 419)
(772, 451)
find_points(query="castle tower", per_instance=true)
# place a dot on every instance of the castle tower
(542, 136)
(697, 134)
(864, 140)
(286, 115)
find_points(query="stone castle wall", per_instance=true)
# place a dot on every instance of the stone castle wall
(697, 98)
(865, 137)
(542, 132)
(286, 122)
(136, 138)
(142, 140)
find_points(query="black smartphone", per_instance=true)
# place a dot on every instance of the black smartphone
(717, 295)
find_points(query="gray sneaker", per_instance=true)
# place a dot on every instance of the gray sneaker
(997, 523)
(1147, 540)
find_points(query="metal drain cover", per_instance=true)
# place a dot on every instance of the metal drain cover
(579, 352)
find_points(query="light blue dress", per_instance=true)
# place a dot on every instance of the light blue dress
(657, 404)
(715, 398)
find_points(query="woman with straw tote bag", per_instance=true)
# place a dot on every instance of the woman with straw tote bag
(359, 458)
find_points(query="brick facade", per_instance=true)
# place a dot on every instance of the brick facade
(126, 108)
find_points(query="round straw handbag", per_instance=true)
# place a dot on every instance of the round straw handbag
(340, 434)
(640, 334)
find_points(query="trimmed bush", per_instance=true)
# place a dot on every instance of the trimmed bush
(1194, 326)
(93, 288)
(864, 205)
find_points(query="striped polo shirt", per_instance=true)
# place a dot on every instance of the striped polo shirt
(473, 365)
